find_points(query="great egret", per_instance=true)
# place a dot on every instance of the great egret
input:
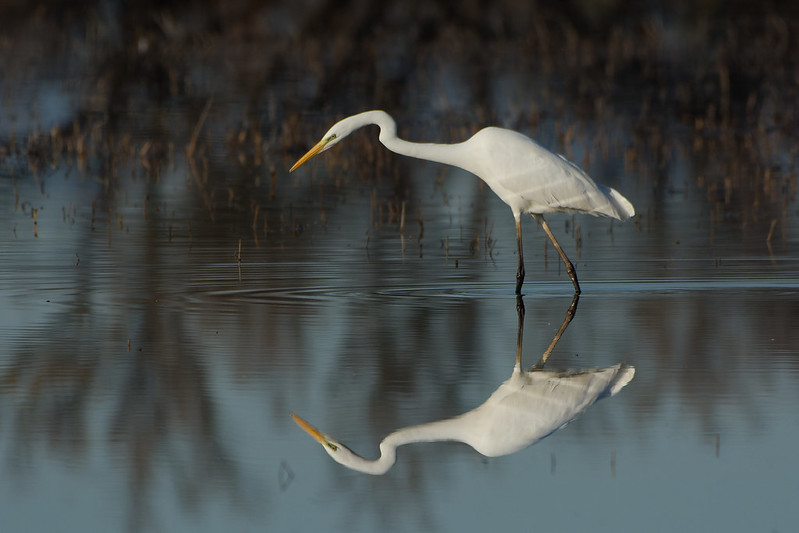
(524, 174)
(526, 408)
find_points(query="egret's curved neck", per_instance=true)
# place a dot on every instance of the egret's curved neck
(450, 154)
(448, 429)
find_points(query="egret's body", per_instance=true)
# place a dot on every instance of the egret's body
(523, 410)
(525, 175)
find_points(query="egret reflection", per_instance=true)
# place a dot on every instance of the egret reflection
(526, 408)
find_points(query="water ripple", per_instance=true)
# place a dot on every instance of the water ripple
(326, 293)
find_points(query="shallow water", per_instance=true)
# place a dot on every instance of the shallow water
(162, 314)
(150, 374)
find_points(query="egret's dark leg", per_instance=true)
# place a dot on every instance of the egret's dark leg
(520, 314)
(566, 321)
(520, 271)
(569, 266)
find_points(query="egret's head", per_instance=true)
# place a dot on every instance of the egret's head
(343, 128)
(333, 136)
(343, 455)
(331, 446)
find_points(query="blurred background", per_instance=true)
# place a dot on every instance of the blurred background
(169, 292)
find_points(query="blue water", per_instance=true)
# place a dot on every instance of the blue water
(148, 375)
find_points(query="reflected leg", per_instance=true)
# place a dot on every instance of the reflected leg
(570, 312)
(569, 266)
(520, 271)
(520, 332)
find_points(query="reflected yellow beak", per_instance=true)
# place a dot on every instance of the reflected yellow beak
(313, 432)
(312, 152)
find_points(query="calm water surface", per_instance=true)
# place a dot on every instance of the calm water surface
(148, 375)
(163, 309)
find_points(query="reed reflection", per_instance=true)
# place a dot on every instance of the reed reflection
(145, 411)
(528, 407)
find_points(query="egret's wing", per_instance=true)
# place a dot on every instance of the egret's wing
(532, 179)
(533, 405)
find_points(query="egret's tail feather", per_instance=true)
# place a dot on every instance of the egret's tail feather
(623, 376)
(624, 209)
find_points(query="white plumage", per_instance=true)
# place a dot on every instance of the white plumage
(524, 174)
(523, 410)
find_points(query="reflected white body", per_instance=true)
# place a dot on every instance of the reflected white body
(523, 410)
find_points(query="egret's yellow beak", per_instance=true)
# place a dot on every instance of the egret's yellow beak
(312, 431)
(312, 152)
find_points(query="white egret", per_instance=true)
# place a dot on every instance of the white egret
(526, 408)
(524, 174)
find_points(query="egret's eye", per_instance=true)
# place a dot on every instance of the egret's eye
(331, 138)
(330, 444)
